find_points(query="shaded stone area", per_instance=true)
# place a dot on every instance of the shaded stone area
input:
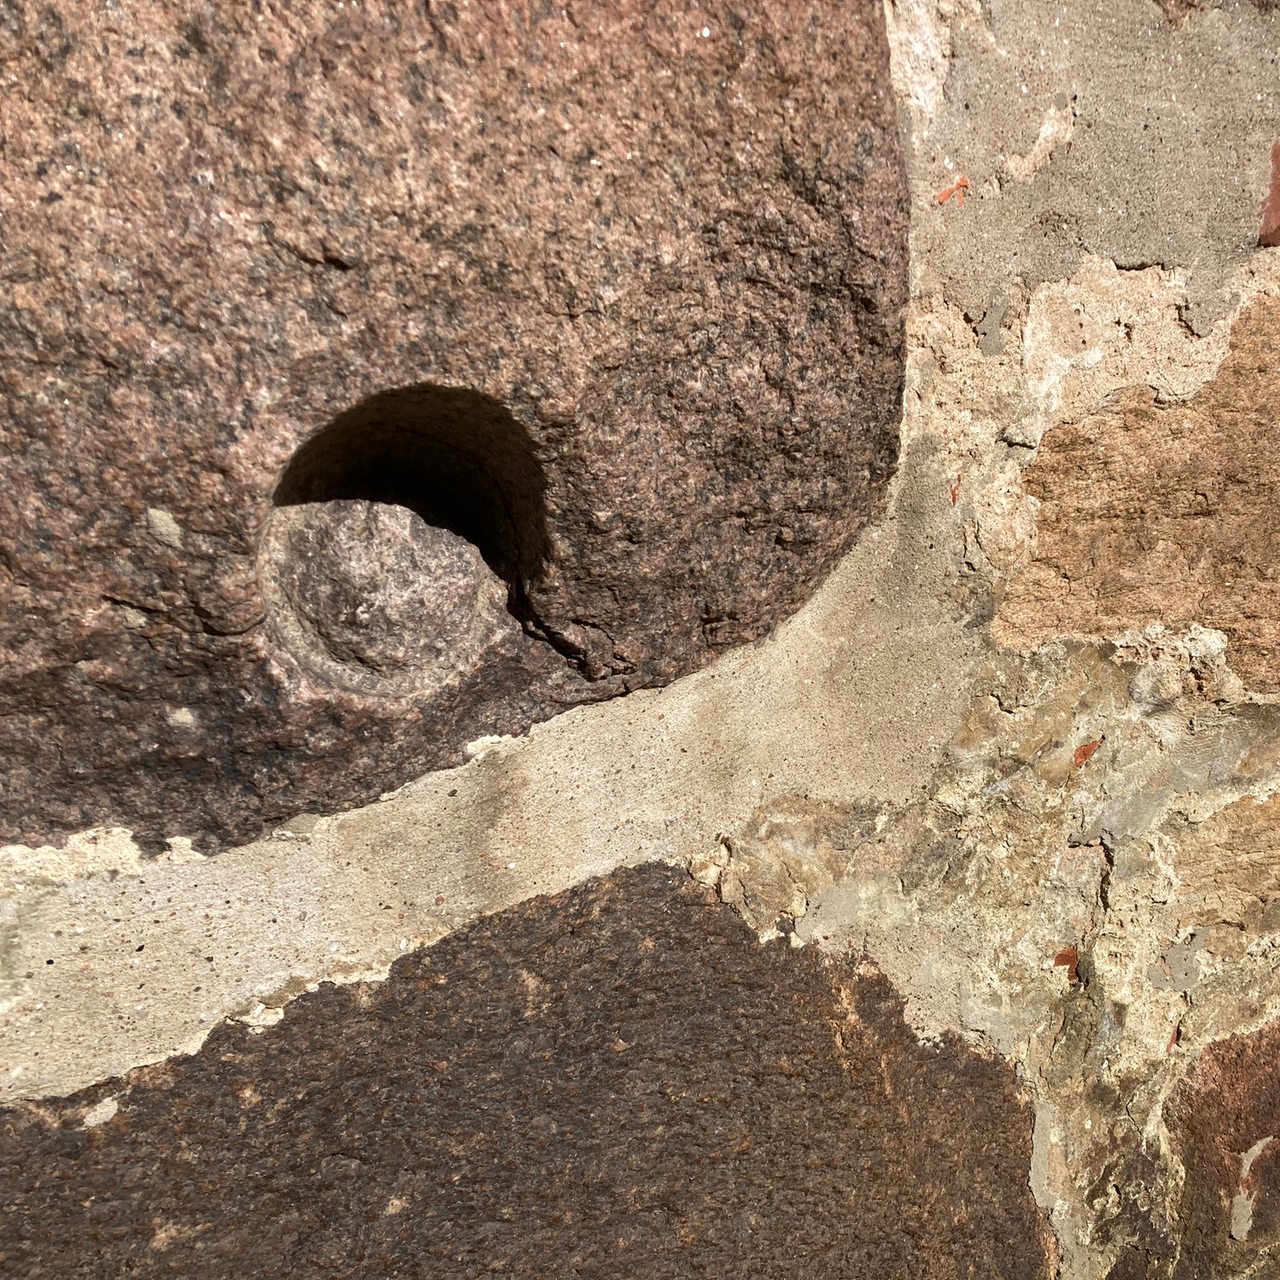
(613, 293)
(1225, 1123)
(1165, 513)
(1224, 1128)
(618, 1080)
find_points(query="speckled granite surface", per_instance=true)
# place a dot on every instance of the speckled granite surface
(617, 1080)
(614, 292)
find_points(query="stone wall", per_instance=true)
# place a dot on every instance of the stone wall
(963, 953)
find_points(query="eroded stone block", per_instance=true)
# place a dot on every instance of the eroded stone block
(1165, 513)
(1225, 1125)
(614, 295)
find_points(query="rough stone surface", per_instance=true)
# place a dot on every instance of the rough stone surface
(1269, 231)
(1154, 512)
(620, 1078)
(370, 596)
(1228, 866)
(1223, 1126)
(613, 292)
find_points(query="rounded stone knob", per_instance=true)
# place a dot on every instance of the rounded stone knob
(370, 597)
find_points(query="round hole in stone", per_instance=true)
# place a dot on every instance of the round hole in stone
(401, 539)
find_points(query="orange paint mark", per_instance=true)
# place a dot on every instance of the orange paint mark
(957, 189)
(955, 491)
(1069, 958)
(1084, 751)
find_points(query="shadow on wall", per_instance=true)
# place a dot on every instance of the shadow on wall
(455, 457)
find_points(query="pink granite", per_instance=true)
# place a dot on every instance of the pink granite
(611, 292)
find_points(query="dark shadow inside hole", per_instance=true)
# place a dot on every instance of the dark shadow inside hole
(455, 457)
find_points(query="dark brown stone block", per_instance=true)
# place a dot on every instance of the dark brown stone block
(612, 293)
(1223, 1222)
(617, 1081)
(1225, 1126)
(1269, 232)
